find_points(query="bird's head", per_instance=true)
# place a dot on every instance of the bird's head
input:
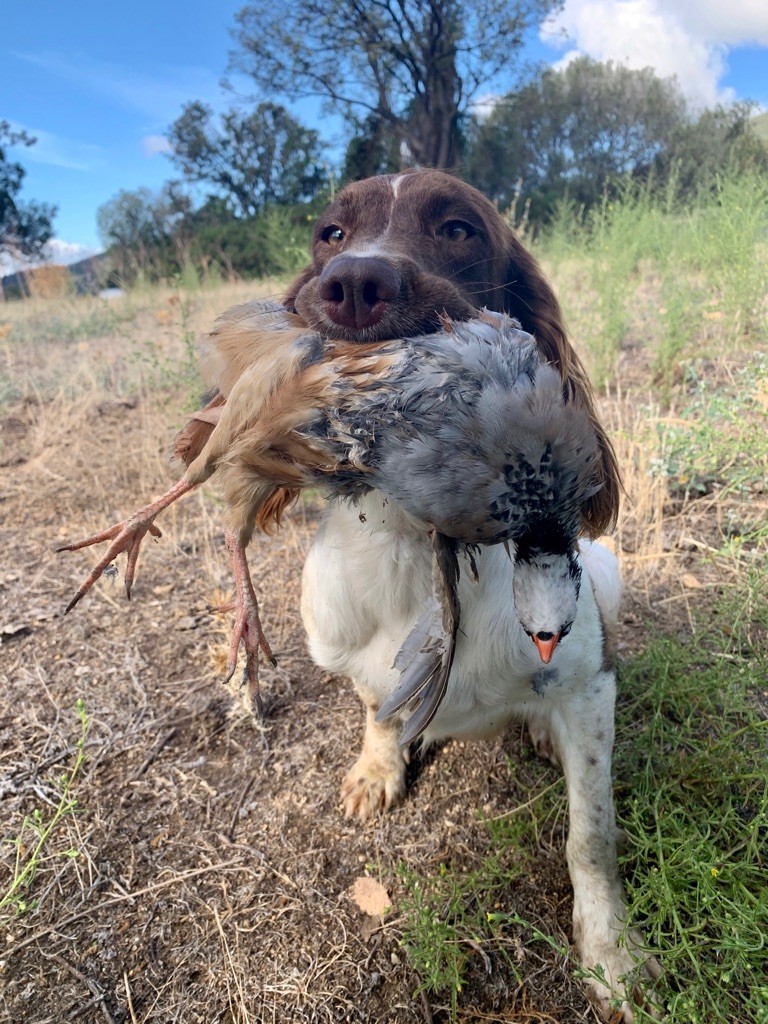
(546, 591)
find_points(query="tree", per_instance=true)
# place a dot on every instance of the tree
(24, 227)
(265, 156)
(140, 229)
(414, 64)
(373, 149)
(573, 131)
(718, 140)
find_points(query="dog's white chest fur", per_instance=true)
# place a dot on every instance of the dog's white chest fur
(366, 581)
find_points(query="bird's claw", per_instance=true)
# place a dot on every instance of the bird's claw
(125, 536)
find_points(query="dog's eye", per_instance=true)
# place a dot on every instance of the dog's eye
(333, 235)
(457, 231)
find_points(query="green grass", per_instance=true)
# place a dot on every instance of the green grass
(716, 443)
(32, 844)
(683, 281)
(69, 320)
(692, 794)
(452, 918)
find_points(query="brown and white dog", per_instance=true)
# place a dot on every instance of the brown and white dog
(389, 255)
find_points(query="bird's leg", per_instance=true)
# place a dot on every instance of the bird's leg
(247, 629)
(126, 536)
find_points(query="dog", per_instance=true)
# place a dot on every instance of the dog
(390, 255)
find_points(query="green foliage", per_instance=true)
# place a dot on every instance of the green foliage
(139, 229)
(688, 271)
(572, 136)
(252, 160)
(25, 227)
(274, 242)
(717, 141)
(451, 917)
(373, 149)
(690, 768)
(34, 838)
(569, 134)
(172, 243)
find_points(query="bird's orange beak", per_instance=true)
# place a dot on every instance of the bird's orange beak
(546, 648)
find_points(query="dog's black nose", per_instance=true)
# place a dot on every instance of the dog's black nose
(355, 290)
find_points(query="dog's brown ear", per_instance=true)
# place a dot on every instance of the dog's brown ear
(289, 300)
(529, 297)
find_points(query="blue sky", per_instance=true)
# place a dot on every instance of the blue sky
(99, 84)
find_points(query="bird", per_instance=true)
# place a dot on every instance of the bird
(468, 429)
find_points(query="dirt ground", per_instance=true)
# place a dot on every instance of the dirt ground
(213, 871)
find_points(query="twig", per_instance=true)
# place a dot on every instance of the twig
(155, 887)
(239, 803)
(154, 752)
(91, 985)
(128, 997)
(529, 803)
(428, 1018)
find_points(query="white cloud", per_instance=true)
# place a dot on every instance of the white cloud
(686, 38)
(59, 251)
(154, 144)
(482, 106)
(56, 251)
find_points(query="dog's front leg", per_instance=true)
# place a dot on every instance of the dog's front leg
(582, 733)
(377, 778)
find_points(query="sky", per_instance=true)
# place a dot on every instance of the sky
(98, 84)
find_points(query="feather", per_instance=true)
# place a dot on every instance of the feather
(426, 656)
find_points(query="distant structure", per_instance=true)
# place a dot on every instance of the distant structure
(87, 277)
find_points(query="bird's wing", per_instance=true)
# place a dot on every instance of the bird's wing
(272, 381)
(245, 336)
(194, 435)
(426, 657)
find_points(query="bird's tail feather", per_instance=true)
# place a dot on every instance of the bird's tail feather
(426, 656)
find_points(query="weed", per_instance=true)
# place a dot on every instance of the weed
(690, 769)
(452, 917)
(36, 831)
(681, 279)
(716, 444)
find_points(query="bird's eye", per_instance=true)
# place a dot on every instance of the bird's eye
(457, 231)
(565, 630)
(333, 235)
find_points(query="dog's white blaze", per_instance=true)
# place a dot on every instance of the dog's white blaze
(369, 250)
(395, 185)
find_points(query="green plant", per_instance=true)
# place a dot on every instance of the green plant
(716, 443)
(693, 797)
(36, 830)
(681, 278)
(452, 916)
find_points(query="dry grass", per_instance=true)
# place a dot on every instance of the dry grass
(203, 874)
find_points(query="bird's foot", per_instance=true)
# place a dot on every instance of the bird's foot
(126, 536)
(247, 629)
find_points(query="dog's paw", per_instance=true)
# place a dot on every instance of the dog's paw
(617, 978)
(372, 786)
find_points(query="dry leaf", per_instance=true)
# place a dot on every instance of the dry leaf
(690, 581)
(370, 896)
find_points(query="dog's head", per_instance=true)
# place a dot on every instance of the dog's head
(391, 254)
